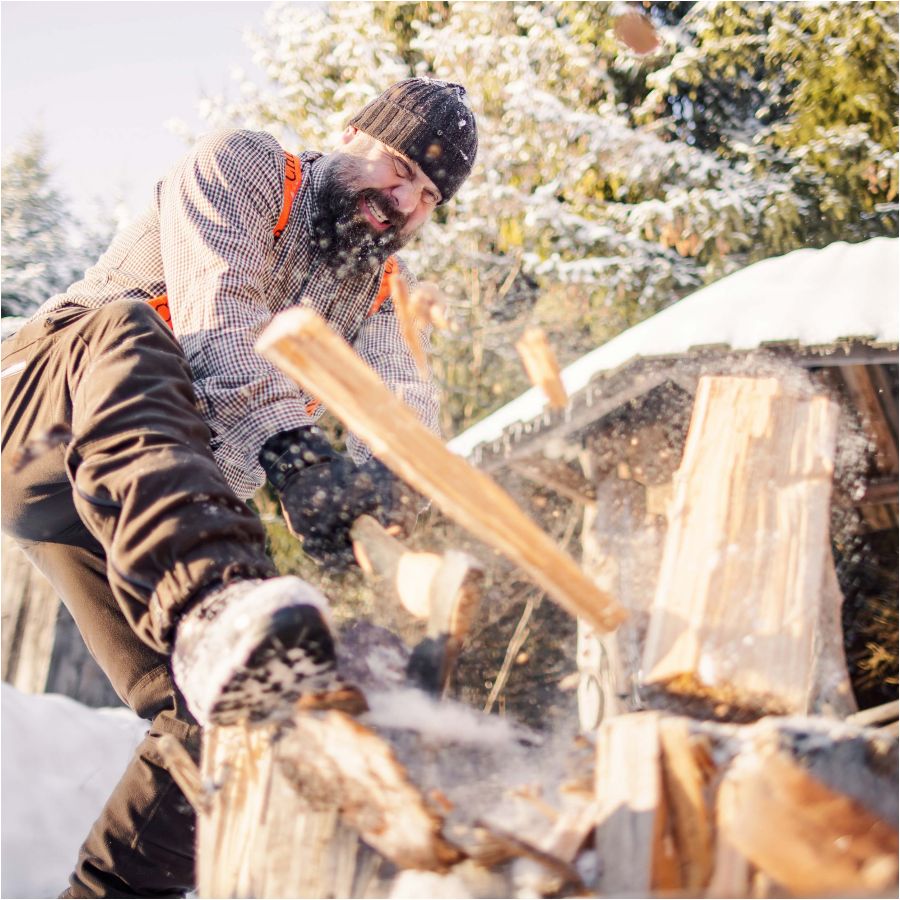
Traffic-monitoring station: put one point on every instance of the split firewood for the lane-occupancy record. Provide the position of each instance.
(407, 320)
(632, 818)
(314, 805)
(442, 589)
(739, 598)
(541, 366)
(801, 833)
(301, 344)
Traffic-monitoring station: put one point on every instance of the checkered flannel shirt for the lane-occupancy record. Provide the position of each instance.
(207, 242)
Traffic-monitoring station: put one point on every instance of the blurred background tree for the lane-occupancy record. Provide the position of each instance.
(45, 248)
(607, 185)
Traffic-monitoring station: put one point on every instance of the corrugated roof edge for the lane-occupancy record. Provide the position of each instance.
(780, 287)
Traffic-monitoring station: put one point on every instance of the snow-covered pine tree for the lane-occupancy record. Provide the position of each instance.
(578, 217)
(40, 254)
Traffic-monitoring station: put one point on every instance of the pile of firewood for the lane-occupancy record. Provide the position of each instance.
(750, 776)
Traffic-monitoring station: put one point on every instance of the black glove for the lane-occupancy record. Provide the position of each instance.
(322, 492)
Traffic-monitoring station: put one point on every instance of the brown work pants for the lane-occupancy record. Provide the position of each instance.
(128, 519)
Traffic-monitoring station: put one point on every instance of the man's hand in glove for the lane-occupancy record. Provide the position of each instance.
(322, 493)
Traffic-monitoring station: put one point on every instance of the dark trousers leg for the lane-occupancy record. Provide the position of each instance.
(137, 467)
(142, 844)
(128, 521)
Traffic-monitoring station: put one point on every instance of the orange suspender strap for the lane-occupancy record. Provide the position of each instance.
(384, 291)
(293, 178)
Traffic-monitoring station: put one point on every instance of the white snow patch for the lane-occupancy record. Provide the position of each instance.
(61, 761)
(812, 296)
(412, 885)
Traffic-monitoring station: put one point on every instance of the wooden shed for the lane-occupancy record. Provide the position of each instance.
(810, 322)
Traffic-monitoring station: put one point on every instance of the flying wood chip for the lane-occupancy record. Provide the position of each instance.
(407, 319)
(541, 366)
(636, 31)
(428, 305)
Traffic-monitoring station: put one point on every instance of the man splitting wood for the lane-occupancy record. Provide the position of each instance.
(137, 418)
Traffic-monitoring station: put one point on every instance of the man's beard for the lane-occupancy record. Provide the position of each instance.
(349, 243)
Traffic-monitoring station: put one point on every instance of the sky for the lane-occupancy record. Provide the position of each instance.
(102, 79)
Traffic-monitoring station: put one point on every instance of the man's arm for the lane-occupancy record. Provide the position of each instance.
(217, 210)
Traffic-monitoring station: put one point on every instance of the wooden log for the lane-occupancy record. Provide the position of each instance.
(318, 804)
(788, 806)
(298, 808)
(740, 593)
(802, 834)
(257, 838)
(302, 345)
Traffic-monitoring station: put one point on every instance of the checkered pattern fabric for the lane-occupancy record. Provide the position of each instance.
(207, 242)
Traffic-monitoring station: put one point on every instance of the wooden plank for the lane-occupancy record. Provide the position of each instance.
(631, 822)
(686, 761)
(867, 400)
(30, 608)
(740, 586)
(302, 345)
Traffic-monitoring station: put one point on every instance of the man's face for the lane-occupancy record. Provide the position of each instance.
(374, 201)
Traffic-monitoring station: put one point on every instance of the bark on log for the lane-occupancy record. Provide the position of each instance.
(740, 590)
(302, 345)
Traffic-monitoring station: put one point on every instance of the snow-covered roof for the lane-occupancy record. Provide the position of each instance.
(813, 297)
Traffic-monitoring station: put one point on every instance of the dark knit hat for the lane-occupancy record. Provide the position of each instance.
(430, 122)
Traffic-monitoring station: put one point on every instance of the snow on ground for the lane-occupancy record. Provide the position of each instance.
(60, 761)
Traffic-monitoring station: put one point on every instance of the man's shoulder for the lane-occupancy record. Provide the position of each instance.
(239, 141)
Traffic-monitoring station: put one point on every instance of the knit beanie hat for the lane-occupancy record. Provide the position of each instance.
(430, 122)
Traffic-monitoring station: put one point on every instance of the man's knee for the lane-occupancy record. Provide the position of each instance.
(134, 318)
